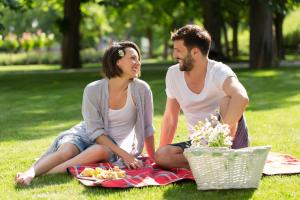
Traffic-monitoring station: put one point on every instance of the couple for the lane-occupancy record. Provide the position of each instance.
(116, 129)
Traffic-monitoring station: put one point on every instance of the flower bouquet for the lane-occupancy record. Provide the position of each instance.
(211, 133)
(215, 165)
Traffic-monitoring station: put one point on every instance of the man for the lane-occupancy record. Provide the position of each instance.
(199, 86)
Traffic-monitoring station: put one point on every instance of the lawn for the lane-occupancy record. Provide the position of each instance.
(36, 105)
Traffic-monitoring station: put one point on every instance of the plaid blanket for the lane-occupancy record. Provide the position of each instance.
(151, 174)
(281, 164)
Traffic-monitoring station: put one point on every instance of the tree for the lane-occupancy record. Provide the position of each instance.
(11, 4)
(261, 37)
(280, 10)
(30, 20)
(94, 25)
(233, 12)
(171, 15)
(71, 38)
(213, 23)
(279, 15)
(140, 18)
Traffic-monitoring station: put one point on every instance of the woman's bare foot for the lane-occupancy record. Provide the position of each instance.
(25, 178)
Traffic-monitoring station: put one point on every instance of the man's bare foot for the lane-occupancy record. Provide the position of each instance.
(24, 178)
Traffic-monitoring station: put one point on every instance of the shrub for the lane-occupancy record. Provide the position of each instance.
(292, 40)
(10, 43)
(46, 57)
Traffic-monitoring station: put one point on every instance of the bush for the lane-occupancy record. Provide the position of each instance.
(90, 55)
(292, 40)
(10, 43)
(45, 57)
(27, 42)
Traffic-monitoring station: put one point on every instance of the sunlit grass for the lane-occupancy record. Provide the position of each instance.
(28, 68)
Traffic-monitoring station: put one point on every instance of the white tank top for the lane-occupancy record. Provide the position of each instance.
(121, 124)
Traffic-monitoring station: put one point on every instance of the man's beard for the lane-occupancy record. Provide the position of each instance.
(187, 63)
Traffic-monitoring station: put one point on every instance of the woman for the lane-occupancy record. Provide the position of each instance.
(117, 112)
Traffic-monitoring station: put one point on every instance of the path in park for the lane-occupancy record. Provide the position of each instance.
(145, 67)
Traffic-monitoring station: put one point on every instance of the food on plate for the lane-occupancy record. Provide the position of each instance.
(112, 173)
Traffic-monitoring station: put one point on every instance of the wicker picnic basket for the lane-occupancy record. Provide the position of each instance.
(223, 168)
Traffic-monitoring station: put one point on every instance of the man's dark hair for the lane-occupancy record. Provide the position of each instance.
(193, 36)
(114, 53)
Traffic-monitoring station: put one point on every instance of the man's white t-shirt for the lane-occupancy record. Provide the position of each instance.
(198, 106)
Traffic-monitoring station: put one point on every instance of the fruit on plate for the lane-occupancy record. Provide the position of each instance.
(112, 173)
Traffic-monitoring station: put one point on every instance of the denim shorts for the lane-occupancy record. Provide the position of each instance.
(82, 145)
(78, 141)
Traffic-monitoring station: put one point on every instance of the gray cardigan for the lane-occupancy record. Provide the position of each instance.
(95, 113)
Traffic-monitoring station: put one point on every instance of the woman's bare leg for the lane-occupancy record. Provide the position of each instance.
(93, 154)
(65, 152)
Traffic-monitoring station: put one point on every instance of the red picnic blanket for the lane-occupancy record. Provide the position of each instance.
(278, 163)
(151, 174)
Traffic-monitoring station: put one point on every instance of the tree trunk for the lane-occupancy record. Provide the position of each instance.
(213, 23)
(71, 37)
(227, 48)
(235, 47)
(166, 47)
(261, 37)
(278, 21)
(150, 38)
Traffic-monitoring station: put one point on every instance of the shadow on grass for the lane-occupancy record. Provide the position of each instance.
(48, 101)
(188, 190)
(92, 191)
(61, 179)
(31, 104)
(47, 180)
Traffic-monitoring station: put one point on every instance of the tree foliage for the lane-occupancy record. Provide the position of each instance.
(101, 21)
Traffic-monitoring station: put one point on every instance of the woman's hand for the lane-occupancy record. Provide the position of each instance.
(131, 162)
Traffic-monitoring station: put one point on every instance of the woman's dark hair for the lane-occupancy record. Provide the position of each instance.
(114, 53)
(193, 36)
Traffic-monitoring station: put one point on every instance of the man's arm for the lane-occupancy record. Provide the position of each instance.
(238, 100)
(169, 122)
(150, 147)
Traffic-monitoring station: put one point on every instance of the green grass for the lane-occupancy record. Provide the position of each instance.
(27, 68)
(35, 107)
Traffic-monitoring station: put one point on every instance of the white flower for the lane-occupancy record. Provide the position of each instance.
(211, 133)
(121, 53)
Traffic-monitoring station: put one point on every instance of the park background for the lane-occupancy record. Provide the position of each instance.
(49, 51)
